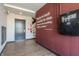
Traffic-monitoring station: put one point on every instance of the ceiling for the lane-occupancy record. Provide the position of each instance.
(26, 6)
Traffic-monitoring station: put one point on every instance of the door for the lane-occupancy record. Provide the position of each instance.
(19, 29)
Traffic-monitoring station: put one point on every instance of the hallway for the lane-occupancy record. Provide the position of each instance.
(55, 26)
(26, 48)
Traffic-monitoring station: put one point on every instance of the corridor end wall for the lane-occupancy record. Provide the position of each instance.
(11, 26)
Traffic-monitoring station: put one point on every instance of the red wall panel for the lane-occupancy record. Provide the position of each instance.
(61, 44)
(66, 7)
(43, 36)
(74, 40)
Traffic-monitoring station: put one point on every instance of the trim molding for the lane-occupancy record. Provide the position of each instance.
(3, 49)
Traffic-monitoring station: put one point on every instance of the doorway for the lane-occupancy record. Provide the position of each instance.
(19, 29)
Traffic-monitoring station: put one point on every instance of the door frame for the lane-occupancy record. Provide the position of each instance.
(15, 27)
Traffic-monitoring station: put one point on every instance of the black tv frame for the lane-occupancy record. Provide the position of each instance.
(73, 28)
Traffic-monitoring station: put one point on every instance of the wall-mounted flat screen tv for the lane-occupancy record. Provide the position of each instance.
(69, 23)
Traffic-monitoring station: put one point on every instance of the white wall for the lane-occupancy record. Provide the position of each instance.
(2, 23)
(11, 26)
(34, 30)
(29, 35)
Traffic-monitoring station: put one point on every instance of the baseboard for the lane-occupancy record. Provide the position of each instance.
(3, 49)
(30, 38)
(5, 46)
(10, 42)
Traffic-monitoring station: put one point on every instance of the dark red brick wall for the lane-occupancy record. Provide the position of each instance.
(61, 44)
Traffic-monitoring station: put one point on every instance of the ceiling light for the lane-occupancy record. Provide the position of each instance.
(27, 10)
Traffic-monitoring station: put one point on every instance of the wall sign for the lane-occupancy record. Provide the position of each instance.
(44, 20)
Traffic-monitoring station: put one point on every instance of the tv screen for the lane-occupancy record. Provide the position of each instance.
(69, 23)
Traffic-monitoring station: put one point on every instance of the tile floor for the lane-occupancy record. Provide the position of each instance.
(26, 48)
